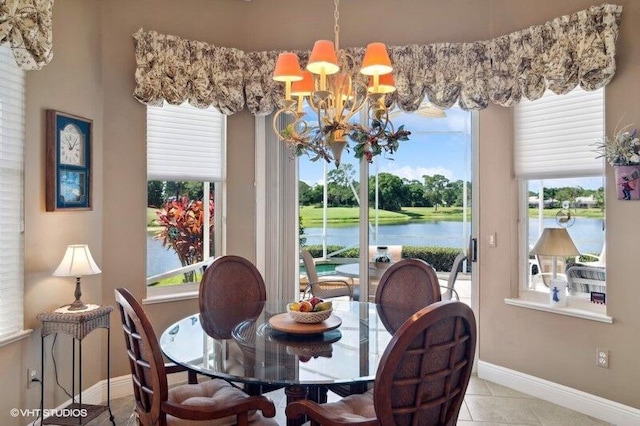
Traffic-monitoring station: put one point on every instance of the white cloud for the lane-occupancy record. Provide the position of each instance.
(416, 173)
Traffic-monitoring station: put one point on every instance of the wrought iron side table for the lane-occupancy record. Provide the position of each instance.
(77, 324)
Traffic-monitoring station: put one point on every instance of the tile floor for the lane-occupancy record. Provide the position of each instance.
(485, 404)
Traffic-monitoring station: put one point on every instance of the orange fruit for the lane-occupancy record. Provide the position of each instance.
(306, 306)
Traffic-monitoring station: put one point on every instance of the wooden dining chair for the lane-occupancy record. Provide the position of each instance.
(421, 379)
(411, 284)
(231, 281)
(404, 288)
(157, 405)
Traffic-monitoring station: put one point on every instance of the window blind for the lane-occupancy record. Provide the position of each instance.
(12, 136)
(555, 136)
(185, 143)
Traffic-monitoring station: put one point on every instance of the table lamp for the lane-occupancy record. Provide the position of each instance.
(77, 262)
(556, 242)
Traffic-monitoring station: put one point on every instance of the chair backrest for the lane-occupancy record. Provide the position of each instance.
(228, 281)
(585, 279)
(309, 266)
(145, 359)
(546, 267)
(425, 370)
(410, 284)
(453, 275)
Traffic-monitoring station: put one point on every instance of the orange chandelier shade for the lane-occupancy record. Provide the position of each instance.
(287, 68)
(376, 60)
(303, 87)
(386, 84)
(323, 59)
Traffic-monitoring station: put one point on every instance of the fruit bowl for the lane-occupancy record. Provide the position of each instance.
(312, 317)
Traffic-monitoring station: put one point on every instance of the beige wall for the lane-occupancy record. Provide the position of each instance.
(92, 76)
(71, 83)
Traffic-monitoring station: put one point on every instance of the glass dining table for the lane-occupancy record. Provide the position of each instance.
(239, 343)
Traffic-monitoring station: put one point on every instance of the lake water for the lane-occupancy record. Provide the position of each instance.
(586, 234)
(159, 259)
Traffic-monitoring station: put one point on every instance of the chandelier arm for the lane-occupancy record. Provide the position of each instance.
(357, 104)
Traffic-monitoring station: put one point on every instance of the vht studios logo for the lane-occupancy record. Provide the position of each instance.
(36, 412)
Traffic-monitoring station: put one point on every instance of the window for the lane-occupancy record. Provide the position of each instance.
(12, 135)
(409, 194)
(561, 183)
(185, 173)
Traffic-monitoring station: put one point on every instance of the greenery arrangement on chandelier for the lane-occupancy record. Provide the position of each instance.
(369, 142)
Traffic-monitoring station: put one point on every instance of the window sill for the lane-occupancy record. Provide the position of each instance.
(171, 293)
(19, 335)
(572, 311)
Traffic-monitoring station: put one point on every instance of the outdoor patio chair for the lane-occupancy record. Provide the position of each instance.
(326, 286)
(582, 280)
(545, 268)
(449, 289)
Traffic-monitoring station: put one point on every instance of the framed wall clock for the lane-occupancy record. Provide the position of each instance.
(68, 162)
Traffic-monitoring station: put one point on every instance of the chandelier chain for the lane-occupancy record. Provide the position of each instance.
(336, 27)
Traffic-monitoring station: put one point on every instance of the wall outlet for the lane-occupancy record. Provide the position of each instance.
(602, 358)
(32, 377)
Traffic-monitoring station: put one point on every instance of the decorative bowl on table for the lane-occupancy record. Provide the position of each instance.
(312, 317)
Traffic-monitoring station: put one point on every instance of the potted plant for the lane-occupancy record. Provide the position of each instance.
(622, 151)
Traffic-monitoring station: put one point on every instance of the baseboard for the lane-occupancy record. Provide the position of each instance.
(576, 400)
(582, 402)
(120, 386)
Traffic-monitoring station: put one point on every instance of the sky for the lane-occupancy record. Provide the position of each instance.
(435, 146)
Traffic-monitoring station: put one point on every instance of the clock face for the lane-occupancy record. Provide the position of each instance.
(71, 146)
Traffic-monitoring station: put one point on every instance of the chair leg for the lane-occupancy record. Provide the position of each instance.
(192, 377)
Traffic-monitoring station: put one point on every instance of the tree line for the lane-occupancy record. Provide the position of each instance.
(393, 192)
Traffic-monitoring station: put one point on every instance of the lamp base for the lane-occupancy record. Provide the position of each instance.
(558, 292)
(77, 306)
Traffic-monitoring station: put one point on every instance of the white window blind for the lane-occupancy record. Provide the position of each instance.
(12, 135)
(555, 135)
(185, 143)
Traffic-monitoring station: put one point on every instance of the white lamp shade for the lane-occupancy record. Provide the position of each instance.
(77, 262)
(555, 242)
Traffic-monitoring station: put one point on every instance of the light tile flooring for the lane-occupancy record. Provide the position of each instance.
(485, 404)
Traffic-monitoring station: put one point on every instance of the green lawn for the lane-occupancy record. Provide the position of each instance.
(311, 215)
(336, 215)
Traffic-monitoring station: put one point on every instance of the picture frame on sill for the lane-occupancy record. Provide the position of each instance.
(68, 161)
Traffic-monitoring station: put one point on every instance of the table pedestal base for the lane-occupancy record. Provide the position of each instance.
(297, 392)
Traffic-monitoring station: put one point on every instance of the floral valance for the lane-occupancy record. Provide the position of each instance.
(560, 54)
(27, 26)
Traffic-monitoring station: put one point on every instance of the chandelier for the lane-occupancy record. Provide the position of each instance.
(335, 96)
